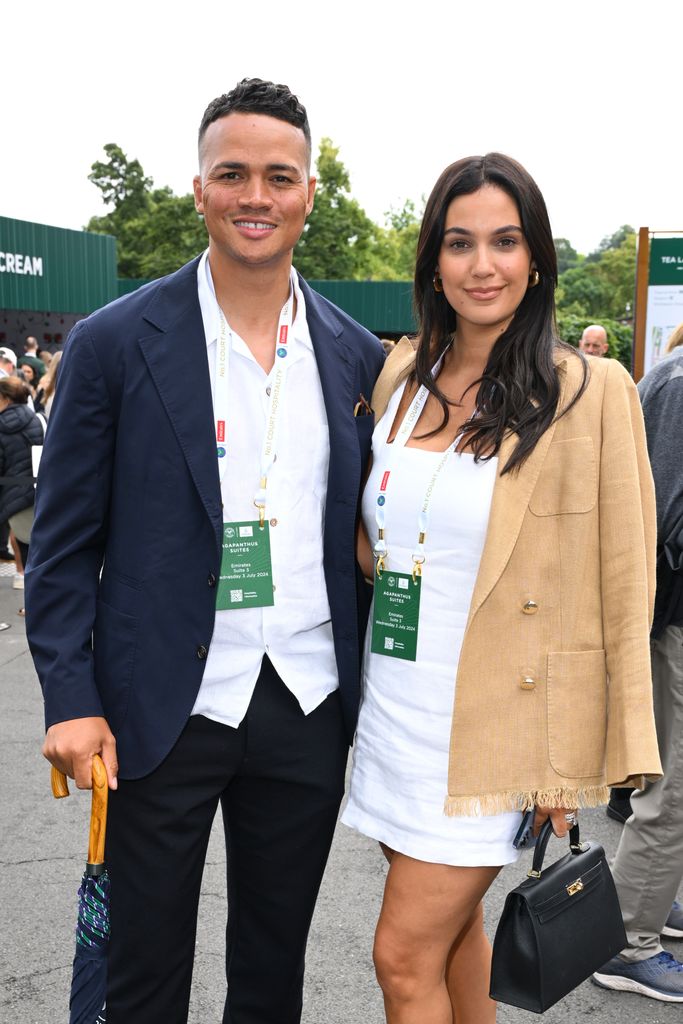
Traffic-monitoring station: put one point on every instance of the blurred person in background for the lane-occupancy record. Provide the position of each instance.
(8, 362)
(46, 390)
(594, 341)
(20, 429)
(675, 340)
(648, 868)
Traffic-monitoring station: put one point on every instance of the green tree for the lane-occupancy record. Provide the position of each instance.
(567, 256)
(339, 241)
(603, 287)
(396, 244)
(155, 230)
(613, 241)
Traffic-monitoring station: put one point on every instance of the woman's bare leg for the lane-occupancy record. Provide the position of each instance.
(468, 973)
(425, 908)
(18, 561)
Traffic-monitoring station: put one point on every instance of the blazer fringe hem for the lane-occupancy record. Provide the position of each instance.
(499, 803)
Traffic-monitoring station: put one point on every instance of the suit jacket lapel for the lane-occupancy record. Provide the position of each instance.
(511, 495)
(177, 362)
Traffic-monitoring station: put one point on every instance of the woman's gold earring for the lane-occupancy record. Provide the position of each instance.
(436, 281)
(534, 278)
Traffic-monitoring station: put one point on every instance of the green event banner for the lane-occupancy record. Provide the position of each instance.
(666, 260)
(55, 269)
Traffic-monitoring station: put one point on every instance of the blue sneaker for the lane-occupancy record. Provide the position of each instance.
(674, 922)
(659, 977)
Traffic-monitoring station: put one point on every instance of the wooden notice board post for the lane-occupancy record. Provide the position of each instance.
(642, 280)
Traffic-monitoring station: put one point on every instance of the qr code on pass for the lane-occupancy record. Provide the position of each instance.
(236, 596)
(388, 643)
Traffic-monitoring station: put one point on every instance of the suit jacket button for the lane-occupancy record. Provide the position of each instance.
(211, 580)
(202, 652)
(527, 683)
(530, 608)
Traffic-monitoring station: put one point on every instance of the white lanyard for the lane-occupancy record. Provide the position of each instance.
(409, 420)
(275, 400)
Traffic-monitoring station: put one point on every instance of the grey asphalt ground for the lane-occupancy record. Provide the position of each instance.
(43, 849)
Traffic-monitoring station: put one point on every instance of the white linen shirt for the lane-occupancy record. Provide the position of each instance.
(296, 632)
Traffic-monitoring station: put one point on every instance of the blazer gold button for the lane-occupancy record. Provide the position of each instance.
(530, 608)
(527, 683)
(202, 652)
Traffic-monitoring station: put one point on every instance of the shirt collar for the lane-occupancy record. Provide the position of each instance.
(208, 305)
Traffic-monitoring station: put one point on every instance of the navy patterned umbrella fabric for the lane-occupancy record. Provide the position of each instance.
(87, 1003)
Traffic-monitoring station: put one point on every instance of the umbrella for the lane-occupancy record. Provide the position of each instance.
(87, 1003)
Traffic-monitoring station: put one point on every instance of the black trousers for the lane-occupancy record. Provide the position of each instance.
(279, 778)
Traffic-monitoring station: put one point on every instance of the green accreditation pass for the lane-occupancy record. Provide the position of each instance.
(396, 615)
(246, 579)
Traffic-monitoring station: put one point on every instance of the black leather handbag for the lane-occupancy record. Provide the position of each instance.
(558, 927)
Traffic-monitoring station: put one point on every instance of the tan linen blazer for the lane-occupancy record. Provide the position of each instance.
(553, 693)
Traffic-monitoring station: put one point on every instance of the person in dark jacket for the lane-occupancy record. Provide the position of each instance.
(20, 429)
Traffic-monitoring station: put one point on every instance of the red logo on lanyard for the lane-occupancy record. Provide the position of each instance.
(283, 335)
(385, 481)
(220, 430)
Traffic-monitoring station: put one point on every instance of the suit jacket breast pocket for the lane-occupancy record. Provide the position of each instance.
(568, 481)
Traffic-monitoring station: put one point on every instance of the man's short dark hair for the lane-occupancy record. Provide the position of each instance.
(254, 96)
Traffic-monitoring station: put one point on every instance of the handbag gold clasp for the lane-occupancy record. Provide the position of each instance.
(575, 887)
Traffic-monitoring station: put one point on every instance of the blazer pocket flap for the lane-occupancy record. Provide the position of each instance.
(568, 481)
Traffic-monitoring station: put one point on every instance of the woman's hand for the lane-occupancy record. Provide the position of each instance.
(559, 817)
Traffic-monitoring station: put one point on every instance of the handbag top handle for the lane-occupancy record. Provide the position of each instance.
(542, 843)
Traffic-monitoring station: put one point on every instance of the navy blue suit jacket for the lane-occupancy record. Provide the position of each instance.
(126, 544)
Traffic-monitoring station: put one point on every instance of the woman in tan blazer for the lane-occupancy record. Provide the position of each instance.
(548, 697)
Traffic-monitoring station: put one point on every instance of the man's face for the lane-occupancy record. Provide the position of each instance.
(594, 342)
(253, 189)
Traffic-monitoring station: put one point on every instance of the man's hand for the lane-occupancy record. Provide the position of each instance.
(70, 746)
(558, 816)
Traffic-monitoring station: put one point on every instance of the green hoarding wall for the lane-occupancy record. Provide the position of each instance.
(384, 307)
(55, 269)
(49, 271)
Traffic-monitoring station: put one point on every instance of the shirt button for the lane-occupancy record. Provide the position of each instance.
(211, 580)
(527, 683)
(529, 608)
(273, 522)
(202, 652)
(268, 390)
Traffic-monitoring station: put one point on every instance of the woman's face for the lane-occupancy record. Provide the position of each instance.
(28, 373)
(484, 260)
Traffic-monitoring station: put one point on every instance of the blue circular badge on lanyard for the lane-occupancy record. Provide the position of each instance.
(282, 352)
(220, 452)
(381, 499)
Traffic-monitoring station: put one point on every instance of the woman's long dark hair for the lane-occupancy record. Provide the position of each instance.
(519, 389)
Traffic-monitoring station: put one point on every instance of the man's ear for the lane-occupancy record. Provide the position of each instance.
(311, 194)
(198, 194)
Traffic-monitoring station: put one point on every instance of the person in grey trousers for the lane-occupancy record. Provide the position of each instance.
(648, 867)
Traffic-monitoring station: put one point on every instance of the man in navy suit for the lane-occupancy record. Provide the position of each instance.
(194, 607)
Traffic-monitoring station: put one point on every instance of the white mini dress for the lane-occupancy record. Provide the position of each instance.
(400, 757)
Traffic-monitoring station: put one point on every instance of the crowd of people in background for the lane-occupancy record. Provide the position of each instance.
(27, 386)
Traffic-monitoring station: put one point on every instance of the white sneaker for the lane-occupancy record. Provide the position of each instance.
(18, 582)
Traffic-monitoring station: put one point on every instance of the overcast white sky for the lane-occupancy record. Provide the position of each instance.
(586, 94)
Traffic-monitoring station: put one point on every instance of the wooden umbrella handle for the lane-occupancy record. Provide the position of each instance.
(60, 787)
(98, 810)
